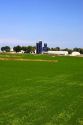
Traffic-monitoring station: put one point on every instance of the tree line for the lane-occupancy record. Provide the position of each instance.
(29, 49)
(26, 49)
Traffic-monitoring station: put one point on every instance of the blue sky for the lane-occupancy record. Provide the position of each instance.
(57, 22)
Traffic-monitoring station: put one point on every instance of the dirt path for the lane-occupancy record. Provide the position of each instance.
(29, 60)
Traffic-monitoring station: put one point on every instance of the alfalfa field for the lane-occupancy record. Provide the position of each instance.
(41, 92)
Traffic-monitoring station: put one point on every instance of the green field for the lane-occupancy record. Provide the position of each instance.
(41, 93)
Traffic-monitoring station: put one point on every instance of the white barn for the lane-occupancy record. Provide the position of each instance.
(58, 52)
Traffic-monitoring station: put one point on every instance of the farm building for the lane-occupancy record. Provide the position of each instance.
(21, 52)
(75, 54)
(58, 52)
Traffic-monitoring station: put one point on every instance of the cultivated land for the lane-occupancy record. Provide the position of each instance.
(41, 92)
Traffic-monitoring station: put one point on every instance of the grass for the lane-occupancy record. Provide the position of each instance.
(41, 93)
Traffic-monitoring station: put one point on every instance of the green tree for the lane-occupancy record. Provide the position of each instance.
(29, 49)
(57, 48)
(76, 49)
(5, 48)
(17, 48)
(69, 50)
(24, 48)
(81, 51)
(48, 49)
